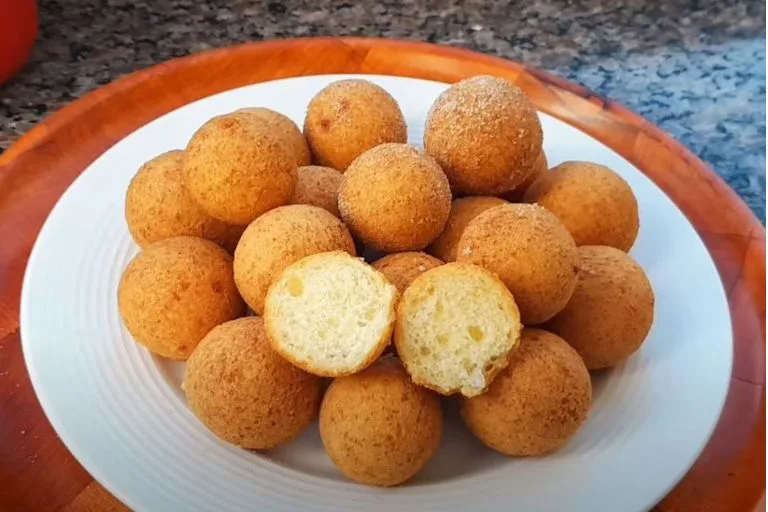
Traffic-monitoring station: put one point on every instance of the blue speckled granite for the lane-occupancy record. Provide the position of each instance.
(695, 68)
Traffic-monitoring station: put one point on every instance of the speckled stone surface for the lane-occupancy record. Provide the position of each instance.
(695, 68)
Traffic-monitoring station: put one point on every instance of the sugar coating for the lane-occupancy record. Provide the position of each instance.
(485, 134)
(540, 167)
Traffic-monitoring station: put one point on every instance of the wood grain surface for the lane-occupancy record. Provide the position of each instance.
(37, 473)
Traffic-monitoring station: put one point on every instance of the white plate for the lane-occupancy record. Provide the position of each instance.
(122, 414)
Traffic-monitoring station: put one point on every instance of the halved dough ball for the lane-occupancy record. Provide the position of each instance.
(277, 239)
(403, 267)
(537, 403)
(349, 117)
(330, 314)
(318, 186)
(395, 198)
(378, 427)
(531, 252)
(237, 168)
(485, 134)
(463, 210)
(594, 203)
(175, 291)
(244, 392)
(456, 326)
(158, 206)
(282, 126)
(540, 167)
(611, 311)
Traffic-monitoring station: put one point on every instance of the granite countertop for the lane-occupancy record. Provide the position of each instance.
(695, 68)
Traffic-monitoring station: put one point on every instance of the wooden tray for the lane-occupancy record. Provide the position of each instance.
(38, 473)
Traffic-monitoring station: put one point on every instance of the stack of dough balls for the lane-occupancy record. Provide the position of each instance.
(487, 276)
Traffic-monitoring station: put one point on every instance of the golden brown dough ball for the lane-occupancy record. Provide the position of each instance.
(463, 210)
(330, 313)
(349, 117)
(175, 291)
(537, 403)
(540, 166)
(280, 237)
(378, 427)
(403, 267)
(237, 168)
(231, 237)
(485, 134)
(455, 328)
(283, 126)
(531, 252)
(395, 198)
(596, 205)
(611, 311)
(158, 206)
(244, 392)
(318, 186)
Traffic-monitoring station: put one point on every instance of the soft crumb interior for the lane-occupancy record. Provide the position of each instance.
(459, 330)
(332, 313)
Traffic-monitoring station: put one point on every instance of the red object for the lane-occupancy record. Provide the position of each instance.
(18, 31)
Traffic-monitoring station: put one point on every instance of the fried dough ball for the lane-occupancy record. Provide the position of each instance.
(285, 128)
(537, 403)
(175, 291)
(455, 328)
(237, 169)
(244, 392)
(485, 134)
(318, 186)
(378, 427)
(531, 252)
(403, 267)
(158, 206)
(330, 314)
(349, 117)
(463, 210)
(540, 166)
(395, 198)
(596, 205)
(611, 311)
(277, 239)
